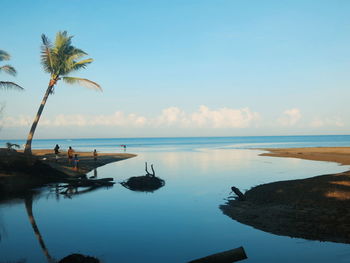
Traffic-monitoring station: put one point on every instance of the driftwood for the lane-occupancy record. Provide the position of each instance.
(90, 182)
(228, 256)
(144, 183)
(240, 195)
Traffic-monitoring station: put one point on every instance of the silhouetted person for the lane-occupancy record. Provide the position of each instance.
(95, 155)
(56, 149)
(70, 154)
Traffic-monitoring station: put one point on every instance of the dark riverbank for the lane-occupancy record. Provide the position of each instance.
(316, 208)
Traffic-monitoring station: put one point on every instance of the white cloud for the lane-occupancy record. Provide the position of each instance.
(335, 121)
(290, 117)
(169, 117)
(224, 117)
(19, 121)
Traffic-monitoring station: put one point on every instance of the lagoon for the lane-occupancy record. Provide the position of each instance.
(179, 222)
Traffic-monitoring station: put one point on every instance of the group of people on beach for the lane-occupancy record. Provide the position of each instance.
(72, 156)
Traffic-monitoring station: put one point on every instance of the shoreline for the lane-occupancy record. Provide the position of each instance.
(316, 208)
(86, 160)
(20, 173)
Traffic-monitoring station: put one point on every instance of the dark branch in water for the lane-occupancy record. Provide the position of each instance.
(147, 172)
(154, 174)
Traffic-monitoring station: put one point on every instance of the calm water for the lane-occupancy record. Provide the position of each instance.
(177, 223)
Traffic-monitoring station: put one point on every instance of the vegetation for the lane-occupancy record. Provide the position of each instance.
(59, 60)
(9, 70)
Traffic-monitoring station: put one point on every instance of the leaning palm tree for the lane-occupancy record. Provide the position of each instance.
(59, 60)
(9, 70)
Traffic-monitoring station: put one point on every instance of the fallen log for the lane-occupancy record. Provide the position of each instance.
(228, 256)
(90, 180)
(76, 182)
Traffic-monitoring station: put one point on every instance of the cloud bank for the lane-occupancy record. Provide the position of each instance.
(290, 117)
(204, 117)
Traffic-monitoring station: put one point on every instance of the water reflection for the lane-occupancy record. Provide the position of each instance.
(95, 173)
(29, 208)
(182, 216)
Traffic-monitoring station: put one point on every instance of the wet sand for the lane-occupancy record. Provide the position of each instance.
(316, 208)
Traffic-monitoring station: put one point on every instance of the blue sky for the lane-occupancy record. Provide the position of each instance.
(183, 68)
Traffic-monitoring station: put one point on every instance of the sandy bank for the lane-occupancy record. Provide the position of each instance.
(314, 208)
(86, 160)
(329, 154)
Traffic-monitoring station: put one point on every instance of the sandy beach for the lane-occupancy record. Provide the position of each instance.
(313, 208)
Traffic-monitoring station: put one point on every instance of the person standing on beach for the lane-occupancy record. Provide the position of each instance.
(56, 151)
(70, 154)
(95, 155)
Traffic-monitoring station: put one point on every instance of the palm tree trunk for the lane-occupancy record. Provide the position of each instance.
(28, 147)
(29, 208)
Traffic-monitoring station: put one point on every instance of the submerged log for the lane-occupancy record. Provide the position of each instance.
(228, 256)
(240, 195)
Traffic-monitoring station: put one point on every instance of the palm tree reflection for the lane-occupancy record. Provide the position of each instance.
(29, 208)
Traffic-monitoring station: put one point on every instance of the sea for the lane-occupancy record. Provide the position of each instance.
(179, 222)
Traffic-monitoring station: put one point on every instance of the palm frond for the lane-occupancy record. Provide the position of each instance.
(46, 57)
(77, 53)
(9, 85)
(82, 82)
(9, 70)
(61, 58)
(63, 41)
(81, 64)
(4, 55)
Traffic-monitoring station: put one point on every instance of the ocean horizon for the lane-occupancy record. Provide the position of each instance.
(189, 143)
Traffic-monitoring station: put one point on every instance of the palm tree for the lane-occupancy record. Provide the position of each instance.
(9, 70)
(59, 60)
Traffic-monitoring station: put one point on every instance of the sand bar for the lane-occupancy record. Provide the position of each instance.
(329, 154)
(86, 160)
